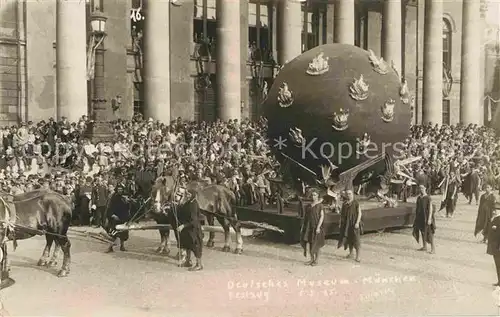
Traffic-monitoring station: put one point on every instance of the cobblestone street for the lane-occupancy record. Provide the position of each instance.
(267, 280)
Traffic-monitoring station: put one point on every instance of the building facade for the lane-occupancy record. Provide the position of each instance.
(209, 59)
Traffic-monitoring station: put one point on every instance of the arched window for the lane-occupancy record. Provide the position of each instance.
(447, 44)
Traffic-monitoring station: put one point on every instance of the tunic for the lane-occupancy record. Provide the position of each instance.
(493, 247)
(451, 201)
(484, 213)
(475, 185)
(349, 235)
(422, 213)
(191, 237)
(310, 224)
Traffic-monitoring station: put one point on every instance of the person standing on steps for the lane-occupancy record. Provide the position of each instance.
(312, 233)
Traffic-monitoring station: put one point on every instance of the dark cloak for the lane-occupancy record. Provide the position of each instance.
(493, 247)
(191, 237)
(119, 207)
(484, 213)
(310, 224)
(466, 185)
(349, 235)
(422, 213)
(451, 200)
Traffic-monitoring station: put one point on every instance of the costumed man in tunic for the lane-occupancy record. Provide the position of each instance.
(351, 225)
(118, 213)
(312, 233)
(485, 212)
(190, 233)
(451, 195)
(425, 223)
(493, 247)
(475, 185)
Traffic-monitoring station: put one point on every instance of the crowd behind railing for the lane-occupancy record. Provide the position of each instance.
(59, 156)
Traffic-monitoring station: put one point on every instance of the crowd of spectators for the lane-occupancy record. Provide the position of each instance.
(57, 155)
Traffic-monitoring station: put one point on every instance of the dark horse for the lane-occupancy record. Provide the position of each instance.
(215, 201)
(26, 215)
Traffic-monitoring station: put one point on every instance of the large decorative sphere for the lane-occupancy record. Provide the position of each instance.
(326, 103)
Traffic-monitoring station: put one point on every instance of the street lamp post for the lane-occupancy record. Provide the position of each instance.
(99, 128)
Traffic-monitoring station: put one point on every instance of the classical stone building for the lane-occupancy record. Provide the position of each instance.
(208, 59)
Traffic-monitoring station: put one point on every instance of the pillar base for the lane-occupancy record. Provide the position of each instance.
(100, 131)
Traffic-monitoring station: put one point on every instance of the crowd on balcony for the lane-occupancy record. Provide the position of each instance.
(57, 155)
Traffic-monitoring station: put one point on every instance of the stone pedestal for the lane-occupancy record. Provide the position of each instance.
(100, 131)
(101, 112)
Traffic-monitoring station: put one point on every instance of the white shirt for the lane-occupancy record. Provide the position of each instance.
(89, 149)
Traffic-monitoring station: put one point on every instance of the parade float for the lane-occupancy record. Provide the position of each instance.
(337, 116)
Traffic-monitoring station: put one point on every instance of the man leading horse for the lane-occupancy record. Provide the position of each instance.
(189, 231)
(118, 213)
(214, 201)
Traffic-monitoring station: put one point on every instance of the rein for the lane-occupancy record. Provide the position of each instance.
(174, 210)
(135, 218)
(2, 193)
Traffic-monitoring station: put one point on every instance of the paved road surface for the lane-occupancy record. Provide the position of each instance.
(269, 279)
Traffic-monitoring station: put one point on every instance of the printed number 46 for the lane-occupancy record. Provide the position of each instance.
(136, 15)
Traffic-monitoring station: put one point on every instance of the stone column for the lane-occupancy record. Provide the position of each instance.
(71, 59)
(432, 107)
(470, 85)
(289, 30)
(391, 29)
(228, 60)
(344, 24)
(157, 60)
